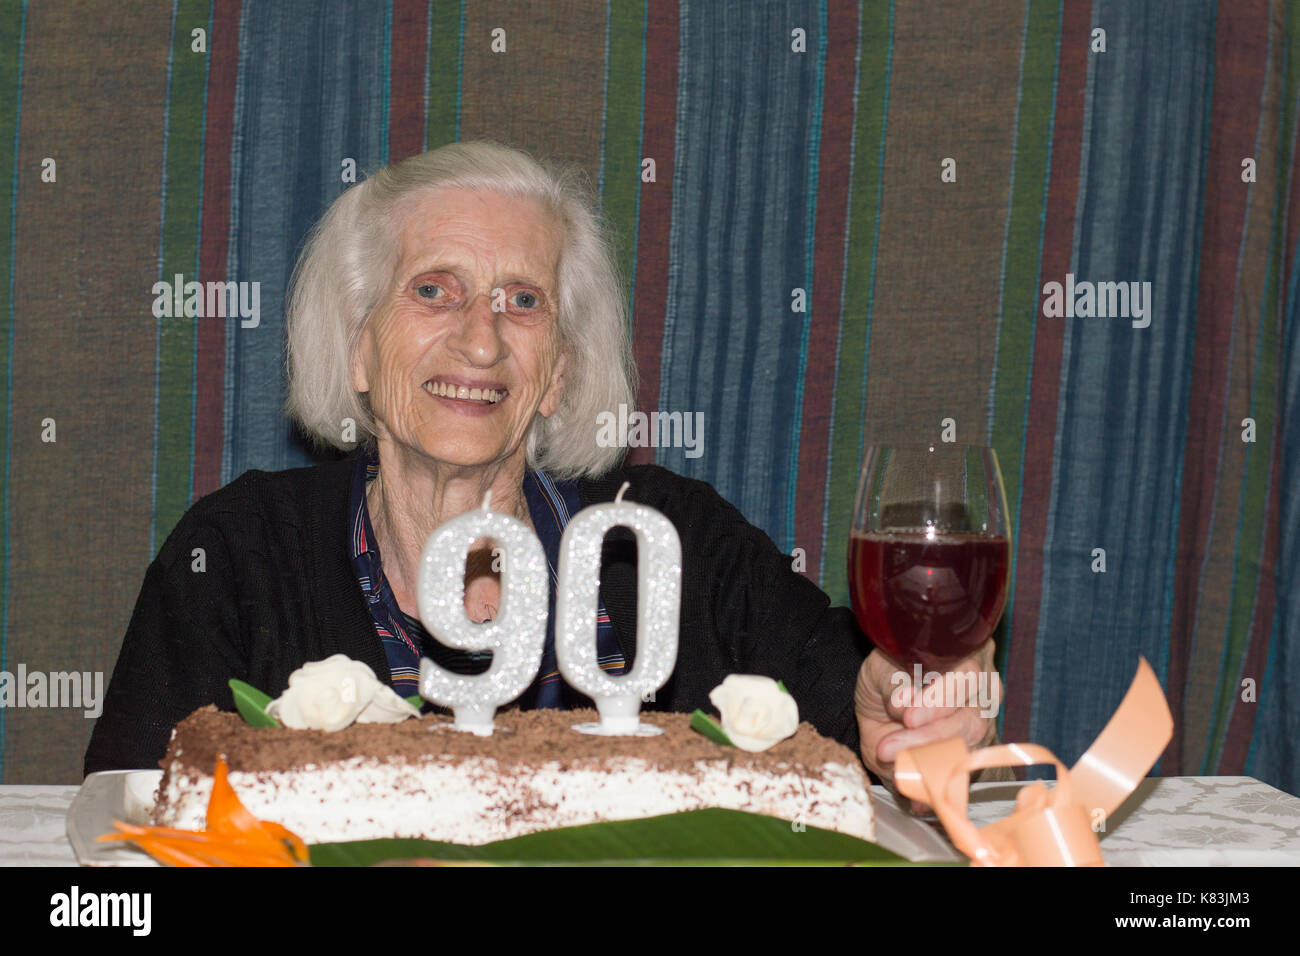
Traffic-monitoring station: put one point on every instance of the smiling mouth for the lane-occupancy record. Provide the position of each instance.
(481, 396)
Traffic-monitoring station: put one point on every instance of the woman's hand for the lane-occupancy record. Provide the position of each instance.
(893, 715)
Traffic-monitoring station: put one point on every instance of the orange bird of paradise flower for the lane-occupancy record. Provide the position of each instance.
(234, 836)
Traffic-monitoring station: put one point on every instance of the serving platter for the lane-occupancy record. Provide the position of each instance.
(128, 795)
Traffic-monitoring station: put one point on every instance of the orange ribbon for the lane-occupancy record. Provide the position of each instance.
(1049, 827)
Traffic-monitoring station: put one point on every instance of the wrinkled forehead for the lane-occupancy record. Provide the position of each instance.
(479, 231)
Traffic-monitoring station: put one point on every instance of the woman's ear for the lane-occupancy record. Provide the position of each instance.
(551, 400)
(361, 357)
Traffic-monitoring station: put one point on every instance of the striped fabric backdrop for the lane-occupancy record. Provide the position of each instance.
(796, 145)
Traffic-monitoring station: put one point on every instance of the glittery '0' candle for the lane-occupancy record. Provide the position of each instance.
(659, 590)
(515, 636)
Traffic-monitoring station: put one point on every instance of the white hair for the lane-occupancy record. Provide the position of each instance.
(352, 253)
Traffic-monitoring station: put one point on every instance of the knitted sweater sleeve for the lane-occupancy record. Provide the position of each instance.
(182, 644)
(768, 618)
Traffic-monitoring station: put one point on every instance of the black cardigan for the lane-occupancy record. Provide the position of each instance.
(273, 587)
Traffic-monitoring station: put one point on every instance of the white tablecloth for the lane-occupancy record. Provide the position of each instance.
(33, 826)
(1171, 821)
(1181, 821)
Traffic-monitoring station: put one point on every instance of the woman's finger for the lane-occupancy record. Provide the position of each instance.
(920, 716)
(955, 725)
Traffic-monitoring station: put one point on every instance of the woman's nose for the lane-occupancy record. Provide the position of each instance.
(476, 336)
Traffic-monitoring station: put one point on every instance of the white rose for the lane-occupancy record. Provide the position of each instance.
(331, 694)
(386, 707)
(756, 713)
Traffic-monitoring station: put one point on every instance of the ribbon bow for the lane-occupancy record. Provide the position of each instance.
(1049, 827)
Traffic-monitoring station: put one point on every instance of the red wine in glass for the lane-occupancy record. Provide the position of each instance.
(932, 599)
(929, 552)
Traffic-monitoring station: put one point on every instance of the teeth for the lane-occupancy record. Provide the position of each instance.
(473, 394)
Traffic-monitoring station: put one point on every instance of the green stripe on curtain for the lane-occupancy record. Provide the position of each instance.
(444, 73)
(1024, 248)
(180, 256)
(875, 48)
(621, 149)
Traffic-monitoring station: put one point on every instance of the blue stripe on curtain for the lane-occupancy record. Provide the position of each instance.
(1119, 450)
(313, 82)
(732, 346)
(821, 361)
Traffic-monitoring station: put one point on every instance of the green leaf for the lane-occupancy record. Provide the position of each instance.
(782, 686)
(251, 704)
(709, 727)
(710, 837)
(416, 701)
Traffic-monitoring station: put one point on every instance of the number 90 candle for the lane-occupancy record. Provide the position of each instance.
(515, 636)
(659, 587)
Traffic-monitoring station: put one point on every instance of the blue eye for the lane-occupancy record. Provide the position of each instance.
(428, 290)
(525, 300)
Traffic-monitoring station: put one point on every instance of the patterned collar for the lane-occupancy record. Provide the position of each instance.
(551, 504)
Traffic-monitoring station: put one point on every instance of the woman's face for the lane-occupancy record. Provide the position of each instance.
(465, 349)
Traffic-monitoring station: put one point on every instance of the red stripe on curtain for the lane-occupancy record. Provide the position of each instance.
(408, 60)
(210, 377)
(1040, 436)
(833, 174)
(658, 129)
(1293, 207)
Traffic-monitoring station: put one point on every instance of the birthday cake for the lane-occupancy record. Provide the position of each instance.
(422, 778)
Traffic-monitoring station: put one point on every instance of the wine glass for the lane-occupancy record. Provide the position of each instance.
(929, 551)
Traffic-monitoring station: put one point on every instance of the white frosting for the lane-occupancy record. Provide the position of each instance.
(471, 802)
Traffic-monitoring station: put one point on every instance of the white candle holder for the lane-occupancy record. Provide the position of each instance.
(659, 574)
(515, 636)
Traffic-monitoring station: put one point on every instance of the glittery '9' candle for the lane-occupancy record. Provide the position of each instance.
(659, 590)
(515, 636)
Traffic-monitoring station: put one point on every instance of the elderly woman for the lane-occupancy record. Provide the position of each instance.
(459, 315)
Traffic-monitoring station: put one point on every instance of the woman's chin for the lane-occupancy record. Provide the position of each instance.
(462, 454)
